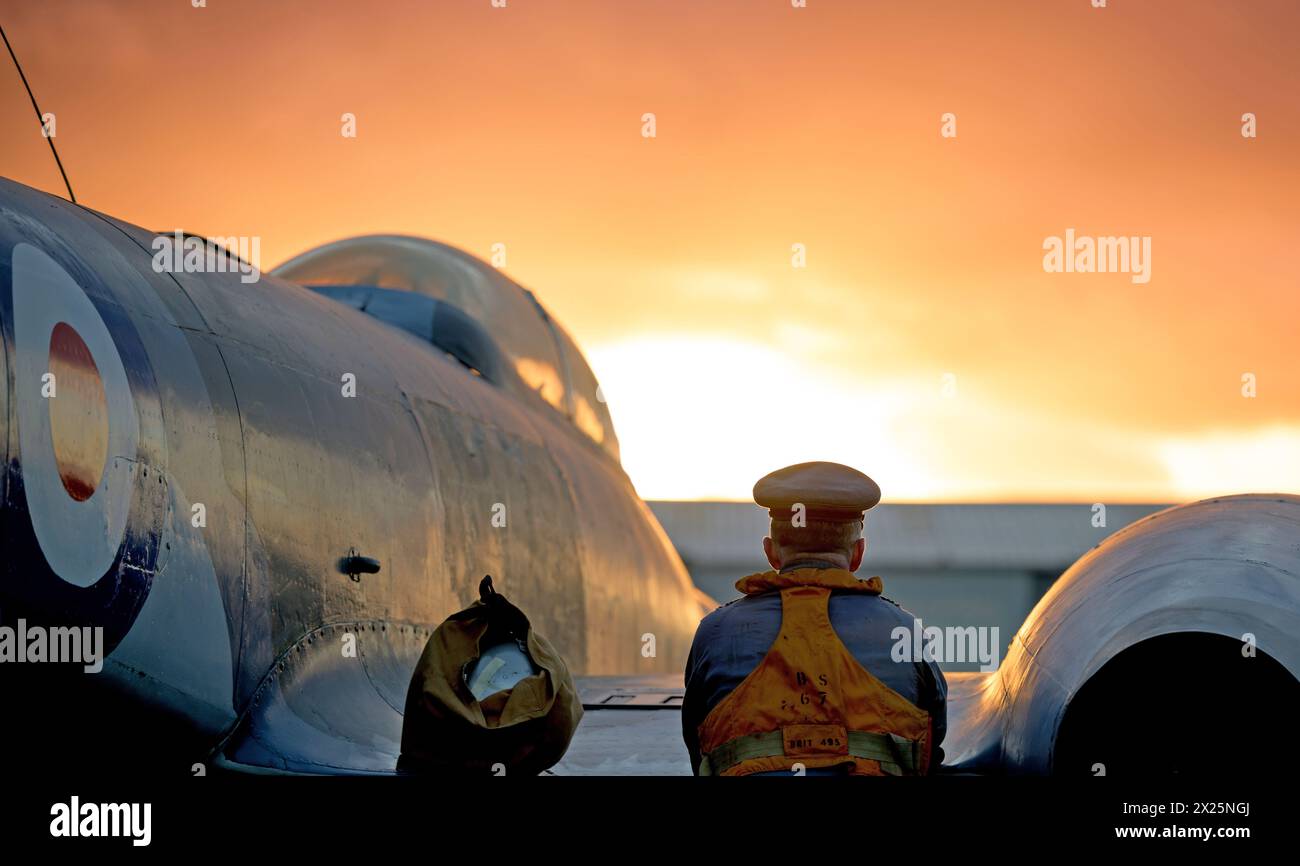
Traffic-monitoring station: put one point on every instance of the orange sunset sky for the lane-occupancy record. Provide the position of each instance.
(923, 342)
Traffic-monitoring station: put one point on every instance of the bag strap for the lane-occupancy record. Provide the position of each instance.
(503, 615)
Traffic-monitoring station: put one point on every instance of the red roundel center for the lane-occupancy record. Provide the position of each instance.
(78, 413)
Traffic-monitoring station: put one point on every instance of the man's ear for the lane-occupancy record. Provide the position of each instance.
(859, 548)
(771, 552)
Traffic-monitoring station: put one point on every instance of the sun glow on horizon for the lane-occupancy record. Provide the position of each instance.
(701, 418)
(705, 418)
(1263, 461)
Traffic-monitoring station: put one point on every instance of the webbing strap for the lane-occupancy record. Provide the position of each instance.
(897, 755)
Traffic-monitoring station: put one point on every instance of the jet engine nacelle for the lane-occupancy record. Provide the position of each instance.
(1173, 637)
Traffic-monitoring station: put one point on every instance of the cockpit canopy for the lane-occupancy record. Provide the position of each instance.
(467, 308)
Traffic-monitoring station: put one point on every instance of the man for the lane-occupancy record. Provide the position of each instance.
(796, 676)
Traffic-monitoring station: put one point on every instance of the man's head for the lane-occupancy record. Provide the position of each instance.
(836, 541)
(817, 512)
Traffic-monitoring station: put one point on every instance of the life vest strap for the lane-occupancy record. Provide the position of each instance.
(897, 755)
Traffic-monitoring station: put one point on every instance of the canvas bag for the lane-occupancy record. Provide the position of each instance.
(525, 729)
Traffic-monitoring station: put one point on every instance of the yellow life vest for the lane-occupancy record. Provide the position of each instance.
(809, 701)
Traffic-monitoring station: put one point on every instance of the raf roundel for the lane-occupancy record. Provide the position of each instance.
(77, 427)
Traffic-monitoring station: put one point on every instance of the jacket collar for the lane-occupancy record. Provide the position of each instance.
(807, 563)
(831, 578)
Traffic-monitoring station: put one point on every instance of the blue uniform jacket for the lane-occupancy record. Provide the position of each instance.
(732, 640)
